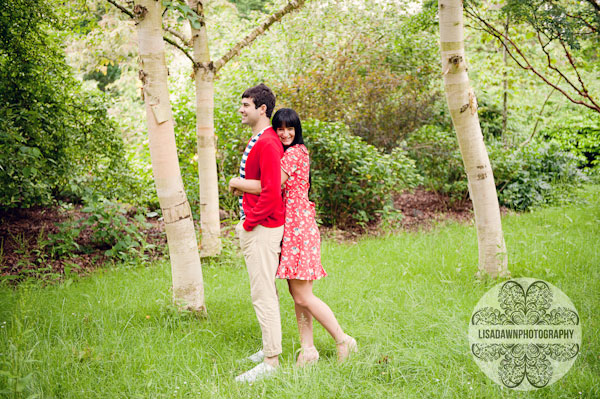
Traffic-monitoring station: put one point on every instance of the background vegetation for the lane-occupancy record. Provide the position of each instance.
(72, 125)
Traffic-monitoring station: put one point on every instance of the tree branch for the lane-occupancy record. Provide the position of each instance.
(594, 4)
(593, 29)
(178, 35)
(123, 9)
(505, 41)
(275, 17)
(572, 62)
(165, 38)
(174, 44)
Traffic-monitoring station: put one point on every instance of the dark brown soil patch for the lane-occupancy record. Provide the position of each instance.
(24, 233)
(421, 209)
(25, 252)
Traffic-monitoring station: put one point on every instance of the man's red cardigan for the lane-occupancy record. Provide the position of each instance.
(263, 163)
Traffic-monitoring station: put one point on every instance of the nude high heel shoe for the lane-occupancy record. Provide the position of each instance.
(345, 347)
(307, 356)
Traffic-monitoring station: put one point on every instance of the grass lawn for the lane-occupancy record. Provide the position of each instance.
(407, 299)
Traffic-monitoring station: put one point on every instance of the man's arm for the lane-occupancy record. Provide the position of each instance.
(251, 186)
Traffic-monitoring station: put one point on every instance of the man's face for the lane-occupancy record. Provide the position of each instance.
(250, 114)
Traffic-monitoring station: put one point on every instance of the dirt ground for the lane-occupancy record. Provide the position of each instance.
(23, 232)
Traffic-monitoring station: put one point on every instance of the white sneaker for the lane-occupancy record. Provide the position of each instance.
(257, 357)
(258, 372)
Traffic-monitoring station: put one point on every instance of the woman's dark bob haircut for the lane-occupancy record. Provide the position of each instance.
(287, 117)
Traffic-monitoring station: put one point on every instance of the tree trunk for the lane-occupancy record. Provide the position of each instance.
(205, 139)
(188, 287)
(463, 109)
(505, 89)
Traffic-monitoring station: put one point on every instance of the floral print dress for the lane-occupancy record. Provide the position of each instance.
(301, 245)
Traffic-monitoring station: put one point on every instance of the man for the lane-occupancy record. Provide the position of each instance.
(261, 226)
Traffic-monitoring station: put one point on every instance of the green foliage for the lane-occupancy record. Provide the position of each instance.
(567, 21)
(353, 181)
(184, 12)
(437, 157)
(104, 76)
(56, 140)
(373, 67)
(534, 175)
(245, 7)
(583, 143)
(106, 227)
(538, 174)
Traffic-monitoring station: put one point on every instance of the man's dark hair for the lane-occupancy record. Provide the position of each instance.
(260, 95)
(287, 117)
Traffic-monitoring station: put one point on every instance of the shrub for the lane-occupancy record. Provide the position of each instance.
(525, 177)
(583, 142)
(437, 156)
(54, 138)
(352, 181)
(106, 227)
(535, 175)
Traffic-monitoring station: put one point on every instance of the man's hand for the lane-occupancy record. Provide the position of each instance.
(233, 186)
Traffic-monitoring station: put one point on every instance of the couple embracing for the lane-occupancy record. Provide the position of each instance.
(278, 232)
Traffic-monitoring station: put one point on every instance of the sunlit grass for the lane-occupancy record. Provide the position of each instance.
(407, 299)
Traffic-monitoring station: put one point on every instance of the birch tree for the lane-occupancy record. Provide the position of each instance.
(463, 109)
(188, 288)
(205, 71)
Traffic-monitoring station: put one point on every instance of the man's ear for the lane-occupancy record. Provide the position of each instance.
(263, 109)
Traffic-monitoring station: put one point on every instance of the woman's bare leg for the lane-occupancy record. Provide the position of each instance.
(301, 291)
(305, 326)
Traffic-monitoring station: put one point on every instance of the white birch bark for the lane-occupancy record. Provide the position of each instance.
(206, 139)
(463, 109)
(188, 287)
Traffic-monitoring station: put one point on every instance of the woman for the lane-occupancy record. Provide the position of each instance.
(300, 261)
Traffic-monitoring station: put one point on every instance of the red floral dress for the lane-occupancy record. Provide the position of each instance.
(301, 245)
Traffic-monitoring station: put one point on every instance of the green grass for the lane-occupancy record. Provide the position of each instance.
(407, 299)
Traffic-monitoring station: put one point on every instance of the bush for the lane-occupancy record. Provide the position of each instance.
(525, 177)
(105, 226)
(583, 142)
(437, 156)
(535, 175)
(55, 139)
(353, 181)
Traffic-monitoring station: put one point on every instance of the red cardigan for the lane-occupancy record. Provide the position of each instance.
(264, 163)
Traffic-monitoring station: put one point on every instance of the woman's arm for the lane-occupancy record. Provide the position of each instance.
(251, 186)
(284, 176)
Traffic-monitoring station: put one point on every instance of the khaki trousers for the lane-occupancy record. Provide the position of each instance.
(261, 248)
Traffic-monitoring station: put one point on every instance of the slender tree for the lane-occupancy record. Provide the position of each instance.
(463, 109)
(188, 287)
(205, 71)
(205, 137)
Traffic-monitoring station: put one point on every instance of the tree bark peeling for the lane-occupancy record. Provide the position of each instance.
(461, 97)
(188, 287)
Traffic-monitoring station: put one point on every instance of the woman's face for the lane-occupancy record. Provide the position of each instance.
(286, 135)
